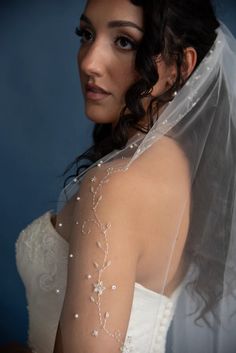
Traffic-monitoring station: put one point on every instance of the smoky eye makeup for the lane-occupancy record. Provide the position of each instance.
(124, 42)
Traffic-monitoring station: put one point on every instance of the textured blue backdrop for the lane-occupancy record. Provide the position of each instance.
(42, 126)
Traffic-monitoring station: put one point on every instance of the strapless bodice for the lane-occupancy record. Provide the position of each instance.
(41, 255)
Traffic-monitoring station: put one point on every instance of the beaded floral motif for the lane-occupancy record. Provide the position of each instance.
(98, 286)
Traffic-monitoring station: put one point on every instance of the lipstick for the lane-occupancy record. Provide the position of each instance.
(95, 92)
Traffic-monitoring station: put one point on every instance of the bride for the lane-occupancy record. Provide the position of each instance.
(143, 241)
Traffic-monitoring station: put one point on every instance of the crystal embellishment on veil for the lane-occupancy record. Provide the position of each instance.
(102, 244)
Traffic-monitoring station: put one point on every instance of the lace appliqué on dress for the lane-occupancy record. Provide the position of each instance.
(35, 243)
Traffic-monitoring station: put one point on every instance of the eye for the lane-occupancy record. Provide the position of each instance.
(85, 35)
(125, 43)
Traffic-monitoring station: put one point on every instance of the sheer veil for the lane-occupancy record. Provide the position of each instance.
(201, 119)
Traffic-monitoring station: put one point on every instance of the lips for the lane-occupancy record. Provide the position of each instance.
(95, 92)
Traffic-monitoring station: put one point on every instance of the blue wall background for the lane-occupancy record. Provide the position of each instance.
(42, 126)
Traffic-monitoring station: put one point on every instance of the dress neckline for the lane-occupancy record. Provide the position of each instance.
(49, 214)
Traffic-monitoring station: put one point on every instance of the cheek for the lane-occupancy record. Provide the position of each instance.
(125, 77)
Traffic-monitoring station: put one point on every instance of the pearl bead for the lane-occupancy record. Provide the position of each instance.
(94, 333)
(76, 316)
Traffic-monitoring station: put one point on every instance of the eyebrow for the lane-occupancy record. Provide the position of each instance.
(113, 24)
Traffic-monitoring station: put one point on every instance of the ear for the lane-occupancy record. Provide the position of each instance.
(190, 60)
(167, 76)
(168, 72)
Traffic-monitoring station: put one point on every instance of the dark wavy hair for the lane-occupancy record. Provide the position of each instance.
(170, 26)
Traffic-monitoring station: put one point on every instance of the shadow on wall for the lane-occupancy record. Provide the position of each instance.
(42, 126)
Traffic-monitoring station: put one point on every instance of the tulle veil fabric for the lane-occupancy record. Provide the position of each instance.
(202, 120)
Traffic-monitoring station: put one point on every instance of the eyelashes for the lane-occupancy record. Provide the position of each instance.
(84, 34)
(122, 42)
(125, 43)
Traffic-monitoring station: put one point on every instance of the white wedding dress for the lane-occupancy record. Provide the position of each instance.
(41, 255)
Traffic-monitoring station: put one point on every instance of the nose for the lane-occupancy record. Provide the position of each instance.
(92, 60)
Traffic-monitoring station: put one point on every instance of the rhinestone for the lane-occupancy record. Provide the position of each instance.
(99, 165)
(57, 291)
(78, 198)
(88, 276)
(77, 223)
(175, 93)
(99, 288)
(94, 333)
(94, 179)
(114, 287)
(75, 180)
(131, 146)
(76, 316)
(71, 256)
(60, 225)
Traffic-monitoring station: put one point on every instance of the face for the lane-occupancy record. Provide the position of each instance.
(110, 32)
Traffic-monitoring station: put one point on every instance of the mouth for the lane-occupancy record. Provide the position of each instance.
(95, 92)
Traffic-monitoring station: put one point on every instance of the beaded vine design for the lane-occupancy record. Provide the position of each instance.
(99, 287)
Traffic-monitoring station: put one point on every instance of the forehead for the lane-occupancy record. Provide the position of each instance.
(108, 10)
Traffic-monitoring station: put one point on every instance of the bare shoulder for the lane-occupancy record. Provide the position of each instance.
(164, 161)
(144, 204)
(162, 169)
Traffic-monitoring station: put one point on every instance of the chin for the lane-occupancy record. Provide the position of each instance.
(98, 116)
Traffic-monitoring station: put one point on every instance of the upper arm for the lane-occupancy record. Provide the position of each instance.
(104, 250)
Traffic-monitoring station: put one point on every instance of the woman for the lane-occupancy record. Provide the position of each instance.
(149, 225)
